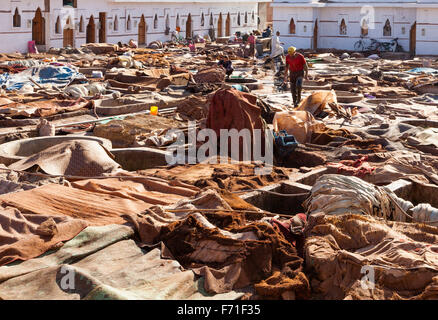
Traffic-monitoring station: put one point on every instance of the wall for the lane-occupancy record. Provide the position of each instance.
(122, 10)
(16, 38)
(266, 15)
(330, 18)
(330, 15)
(304, 22)
(427, 32)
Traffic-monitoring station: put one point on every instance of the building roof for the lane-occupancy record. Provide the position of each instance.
(360, 3)
(355, 3)
(188, 1)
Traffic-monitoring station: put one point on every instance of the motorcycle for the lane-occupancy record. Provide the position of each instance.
(391, 46)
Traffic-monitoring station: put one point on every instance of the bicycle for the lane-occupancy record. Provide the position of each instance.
(374, 45)
(360, 44)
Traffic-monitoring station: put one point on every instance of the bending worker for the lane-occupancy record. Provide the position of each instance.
(297, 66)
(227, 65)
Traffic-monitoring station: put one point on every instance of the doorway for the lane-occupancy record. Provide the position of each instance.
(413, 39)
(219, 26)
(142, 31)
(38, 28)
(68, 34)
(315, 35)
(91, 31)
(228, 26)
(102, 27)
(189, 27)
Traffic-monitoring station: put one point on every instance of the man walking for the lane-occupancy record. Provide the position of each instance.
(297, 66)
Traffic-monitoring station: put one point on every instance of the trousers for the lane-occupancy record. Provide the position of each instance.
(296, 85)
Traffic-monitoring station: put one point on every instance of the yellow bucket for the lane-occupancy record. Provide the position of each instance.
(154, 110)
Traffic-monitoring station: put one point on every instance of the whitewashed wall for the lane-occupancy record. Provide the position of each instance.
(304, 21)
(330, 16)
(329, 21)
(427, 31)
(15, 39)
(149, 10)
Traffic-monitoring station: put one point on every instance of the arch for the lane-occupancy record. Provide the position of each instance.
(228, 25)
(142, 31)
(91, 31)
(155, 21)
(58, 25)
(343, 27)
(38, 28)
(189, 26)
(202, 19)
(68, 34)
(128, 23)
(219, 26)
(16, 20)
(387, 30)
(211, 19)
(177, 21)
(116, 23)
(238, 18)
(364, 28)
(253, 16)
(246, 17)
(81, 24)
(292, 27)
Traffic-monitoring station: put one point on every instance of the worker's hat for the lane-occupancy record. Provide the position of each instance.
(291, 50)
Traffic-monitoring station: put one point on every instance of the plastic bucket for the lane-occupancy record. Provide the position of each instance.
(154, 110)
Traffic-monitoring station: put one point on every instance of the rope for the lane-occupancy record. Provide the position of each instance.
(273, 192)
(406, 214)
(398, 206)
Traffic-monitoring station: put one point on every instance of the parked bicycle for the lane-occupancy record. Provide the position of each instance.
(360, 45)
(376, 45)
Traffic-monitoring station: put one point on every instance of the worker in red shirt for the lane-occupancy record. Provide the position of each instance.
(252, 42)
(297, 66)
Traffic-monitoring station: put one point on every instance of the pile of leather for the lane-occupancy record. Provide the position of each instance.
(231, 250)
(360, 257)
(210, 75)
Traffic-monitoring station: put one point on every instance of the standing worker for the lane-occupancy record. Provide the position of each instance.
(252, 43)
(297, 66)
(277, 52)
(276, 48)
